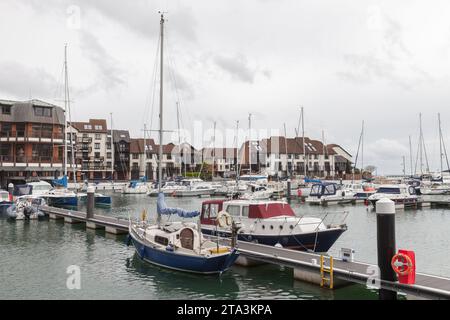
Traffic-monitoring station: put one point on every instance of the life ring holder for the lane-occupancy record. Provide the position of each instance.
(224, 219)
(406, 259)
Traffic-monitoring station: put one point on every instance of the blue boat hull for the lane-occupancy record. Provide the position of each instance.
(106, 201)
(195, 264)
(63, 201)
(317, 242)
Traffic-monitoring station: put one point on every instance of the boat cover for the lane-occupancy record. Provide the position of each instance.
(61, 182)
(163, 209)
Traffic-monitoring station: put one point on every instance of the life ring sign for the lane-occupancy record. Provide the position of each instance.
(404, 265)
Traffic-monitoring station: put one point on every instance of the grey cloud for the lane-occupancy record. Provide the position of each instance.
(108, 67)
(238, 67)
(19, 81)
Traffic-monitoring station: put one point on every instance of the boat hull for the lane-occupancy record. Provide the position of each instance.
(62, 201)
(193, 193)
(320, 241)
(103, 201)
(185, 263)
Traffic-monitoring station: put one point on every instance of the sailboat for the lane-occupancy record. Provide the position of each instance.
(178, 245)
(60, 195)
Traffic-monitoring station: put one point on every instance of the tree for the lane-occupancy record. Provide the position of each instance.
(371, 169)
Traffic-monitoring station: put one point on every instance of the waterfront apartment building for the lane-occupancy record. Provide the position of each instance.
(121, 152)
(280, 156)
(222, 160)
(31, 141)
(144, 159)
(93, 150)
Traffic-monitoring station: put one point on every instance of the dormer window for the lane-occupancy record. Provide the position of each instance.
(87, 127)
(42, 112)
(98, 127)
(6, 109)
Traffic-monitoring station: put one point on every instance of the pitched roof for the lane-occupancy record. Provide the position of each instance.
(121, 135)
(23, 111)
(137, 145)
(219, 153)
(94, 125)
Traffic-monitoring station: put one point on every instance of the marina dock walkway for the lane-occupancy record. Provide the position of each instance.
(426, 286)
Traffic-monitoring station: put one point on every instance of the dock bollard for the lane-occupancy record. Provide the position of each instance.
(90, 202)
(385, 209)
(288, 196)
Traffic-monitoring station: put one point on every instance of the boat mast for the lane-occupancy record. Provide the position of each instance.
(250, 143)
(145, 151)
(237, 152)
(440, 142)
(410, 156)
(179, 134)
(214, 151)
(286, 150)
(161, 93)
(420, 144)
(303, 138)
(67, 108)
(362, 150)
(323, 151)
(112, 149)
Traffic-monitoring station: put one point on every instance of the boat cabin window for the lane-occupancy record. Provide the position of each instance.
(316, 189)
(245, 211)
(187, 238)
(234, 210)
(389, 190)
(330, 189)
(213, 210)
(162, 240)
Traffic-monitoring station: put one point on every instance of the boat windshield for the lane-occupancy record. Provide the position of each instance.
(389, 190)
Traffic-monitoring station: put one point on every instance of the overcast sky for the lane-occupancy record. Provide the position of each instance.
(347, 61)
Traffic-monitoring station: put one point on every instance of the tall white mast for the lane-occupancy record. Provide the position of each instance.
(323, 151)
(179, 134)
(112, 148)
(214, 151)
(237, 152)
(67, 109)
(362, 150)
(161, 94)
(421, 144)
(250, 143)
(410, 156)
(440, 143)
(286, 150)
(303, 138)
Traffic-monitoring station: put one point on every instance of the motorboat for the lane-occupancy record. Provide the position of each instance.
(27, 208)
(328, 193)
(61, 197)
(435, 189)
(272, 223)
(361, 191)
(258, 193)
(5, 201)
(168, 189)
(401, 194)
(136, 187)
(194, 188)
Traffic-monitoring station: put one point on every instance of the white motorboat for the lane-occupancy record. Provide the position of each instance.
(272, 223)
(168, 189)
(26, 208)
(435, 189)
(401, 194)
(136, 187)
(361, 191)
(195, 191)
(328, 193)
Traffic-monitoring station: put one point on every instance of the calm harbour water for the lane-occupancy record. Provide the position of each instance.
(35, 255)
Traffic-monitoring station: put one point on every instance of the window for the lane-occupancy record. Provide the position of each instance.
(162, 240)
(97, 127)
(169, 157)
(122, 147)
(87, 127)
(245, 211)
(97, 136)
(97, 146)
(108, 155)
(213, 211)
(6, 109)
(108, 145)
(108, 164)
(42, 112)
(135, 156)
(234, 210)
(97, 155)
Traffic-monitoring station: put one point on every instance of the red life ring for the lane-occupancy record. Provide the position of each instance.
(406, 264)
(299, 192)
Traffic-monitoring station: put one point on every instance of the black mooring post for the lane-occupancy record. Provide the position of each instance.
(385, 209)
(90, 202)
(288, 196)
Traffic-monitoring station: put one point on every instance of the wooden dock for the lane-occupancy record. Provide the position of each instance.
(306, 265)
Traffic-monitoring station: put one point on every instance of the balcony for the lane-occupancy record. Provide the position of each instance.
(42, 161)
(84, 140)
(35, 136)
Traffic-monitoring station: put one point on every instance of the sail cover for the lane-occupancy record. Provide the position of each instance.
(163, 209)
(61, 182)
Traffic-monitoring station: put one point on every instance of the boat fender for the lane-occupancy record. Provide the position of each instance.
(343, 193)
(128, 240)
(170, 247)
(224, 219)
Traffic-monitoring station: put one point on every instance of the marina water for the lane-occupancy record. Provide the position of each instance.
(35, 256)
